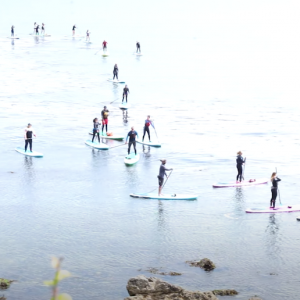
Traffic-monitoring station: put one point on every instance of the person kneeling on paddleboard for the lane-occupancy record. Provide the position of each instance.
(162, 174)
(274, 189)
(115, 72)
(132, 135)
(148, 122)
(104, 113)
(96, 129)
(125, 93)
(28, 137)
(239, 165)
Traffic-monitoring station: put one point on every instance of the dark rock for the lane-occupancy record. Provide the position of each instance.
(5, 283)
(204, 263)
(225, 292)
(143, 288)
(159, 272)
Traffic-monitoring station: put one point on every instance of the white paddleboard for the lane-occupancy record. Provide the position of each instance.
(279, 209)
(138, 54)
(111, 137)
(164, 197)
(152, 144)
(124, 105)
(100, 146)
(115, 81)
(28, 152)
(243, 183)
(13, 38)
(131, 159)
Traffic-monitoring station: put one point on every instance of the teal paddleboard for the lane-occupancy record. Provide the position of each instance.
(131, 159)
(28, 152)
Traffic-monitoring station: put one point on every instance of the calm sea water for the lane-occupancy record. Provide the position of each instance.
(217, 78)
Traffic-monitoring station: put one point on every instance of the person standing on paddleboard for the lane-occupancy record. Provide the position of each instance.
(104, 45)
(125, 93)
(73, 29)
(132, 135)
(96, 129)
(239, 165)
(162, 174)
(148, 122)
(116, 71)
(87, 36)
(37, 29)
(138, 47)
(274, 189)
(43, 29)
(104, 114)
(28, 137)
(34, 28)
(12, 30)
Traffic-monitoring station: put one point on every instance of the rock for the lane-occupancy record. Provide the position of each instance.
(158, 271)
(204, 263)
(2, 298)
(225, 292)
(5, 283)
(143, 288)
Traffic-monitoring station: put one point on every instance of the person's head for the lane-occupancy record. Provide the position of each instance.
(95, 120)
(29, 125)
(132, 128)
(104, 107)
(163, 161)
(116, 65)
(273, 175)
(126, 85)
(239, 153)
(34, 22)
(148, 117)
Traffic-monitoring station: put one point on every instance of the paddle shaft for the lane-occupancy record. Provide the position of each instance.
(117, 146)
(166, 180)
(244, 168)
(155, 131)
(278, 190)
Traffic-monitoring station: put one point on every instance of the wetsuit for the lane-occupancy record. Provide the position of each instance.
(12, 31)
(96, 131)
(37, 29)
(162, 174)
(29, 133)
(104, 114)
(125, 93)
(274, 190)
(132, 135)
(146, 129)
(74, 28)
(115, 72)
(104, 45)
(239, 166)
(43, 29)
(138, 47)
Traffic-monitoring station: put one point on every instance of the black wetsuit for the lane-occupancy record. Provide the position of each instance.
(125, 93)
(115, 72)
(274, 190)
(239, 166)
(132, 135)
(146, 129)
(28, 140)
(37, 29)
(74, 28)
(96, 131)
(138, 47)
(162, 174)
(12, 31)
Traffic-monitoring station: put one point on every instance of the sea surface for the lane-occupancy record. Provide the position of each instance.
(217, 77)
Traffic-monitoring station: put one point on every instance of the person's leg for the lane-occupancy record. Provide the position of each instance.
(106, 127)
(98, 136)
(26, 144)
(114, 76)
(134, 146)
(145, 129)
(129, 146)
(102, 126)
(126, 97)
(240, 170)
(274, 197)
(148, 131)
(123, 97)
(94, 133)
(117, 76)
(30, 144)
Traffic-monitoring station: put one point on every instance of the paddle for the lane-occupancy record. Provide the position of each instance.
(166, 180)
(117, 146)
(97, 53)
(278, 190)
(114, 101)
(244, 168)
(155, 132)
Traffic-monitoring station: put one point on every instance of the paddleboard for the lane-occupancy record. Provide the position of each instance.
(164, 197)
(138, 54)
(243, 183)
(152, 144)
(112, 137)
(105, 54)
(131, 159)
(124, 105)
(100, 146)
(13, 38)
(28, 152)
(115, 81)
(284, 208)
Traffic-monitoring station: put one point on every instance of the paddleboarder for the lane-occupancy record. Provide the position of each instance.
(115, 72)
(138, 47)
(104, 45)
(87, 36)
(28, 136)
(43, 29)
(12, 30)
(37, 29)
(34, 27)
(162, 174)
(239, 165)
(96, 129)
(125, 93)
(132, 134)
(148, 122)
(73, 29)
(104, 114)
(274, 189)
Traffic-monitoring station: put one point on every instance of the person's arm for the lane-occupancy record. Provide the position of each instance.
(277, 179)
(33, 133)
(127, 138)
